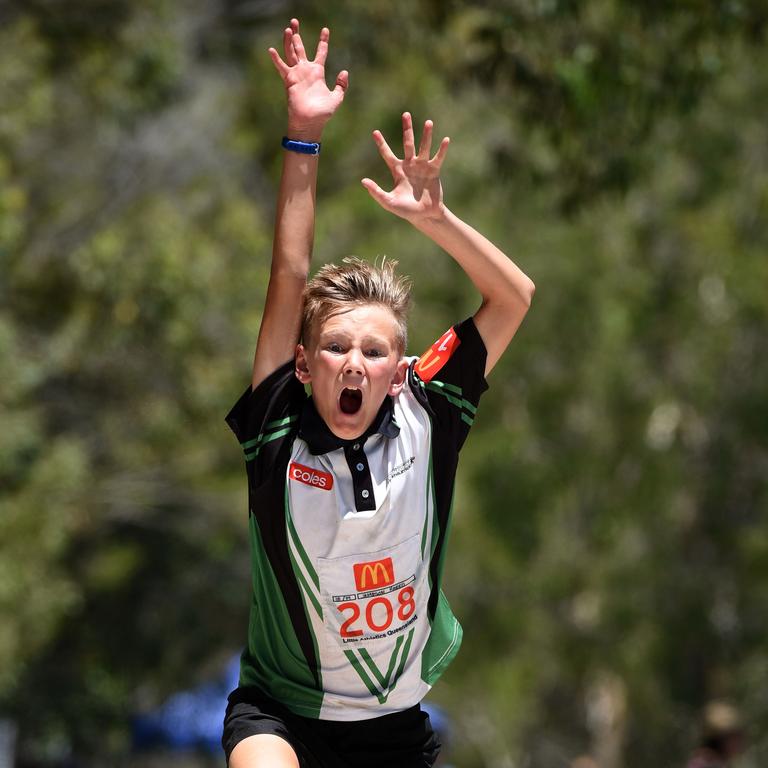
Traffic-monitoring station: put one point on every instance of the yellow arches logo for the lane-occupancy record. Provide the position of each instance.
(373, 575)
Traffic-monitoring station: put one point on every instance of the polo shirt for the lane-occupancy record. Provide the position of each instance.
(348, 537)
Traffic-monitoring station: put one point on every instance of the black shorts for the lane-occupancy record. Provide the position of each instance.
(403, 739)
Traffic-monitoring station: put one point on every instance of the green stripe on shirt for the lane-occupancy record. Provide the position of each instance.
(267, 439)
(271, 425)
(444, 389)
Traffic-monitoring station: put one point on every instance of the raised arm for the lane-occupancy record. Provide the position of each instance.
(310, 105)
(418, 197)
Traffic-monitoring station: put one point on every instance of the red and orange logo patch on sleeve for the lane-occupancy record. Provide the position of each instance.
(437, 355)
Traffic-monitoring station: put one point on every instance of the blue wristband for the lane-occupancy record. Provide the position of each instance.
(303, 147)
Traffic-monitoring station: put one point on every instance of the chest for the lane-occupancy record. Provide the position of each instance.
(365, 497)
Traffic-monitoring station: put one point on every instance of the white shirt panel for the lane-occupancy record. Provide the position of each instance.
(336, 538)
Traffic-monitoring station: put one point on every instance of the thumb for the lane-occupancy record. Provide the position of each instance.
(342, 83)
(376, 192)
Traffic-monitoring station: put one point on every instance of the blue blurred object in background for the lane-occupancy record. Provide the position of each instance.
(443, 727)
(188, 720)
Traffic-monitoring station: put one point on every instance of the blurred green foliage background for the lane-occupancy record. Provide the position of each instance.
(609, 555)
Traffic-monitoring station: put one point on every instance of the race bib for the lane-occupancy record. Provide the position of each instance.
(372, 598)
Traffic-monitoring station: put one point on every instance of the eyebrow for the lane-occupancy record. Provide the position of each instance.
(326, 336)
(375, 340)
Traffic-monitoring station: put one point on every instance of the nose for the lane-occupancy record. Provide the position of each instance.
(353, 365)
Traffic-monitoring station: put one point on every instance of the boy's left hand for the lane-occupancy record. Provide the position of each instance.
(417, 194)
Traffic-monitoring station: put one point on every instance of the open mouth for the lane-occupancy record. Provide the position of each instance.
(350, 400)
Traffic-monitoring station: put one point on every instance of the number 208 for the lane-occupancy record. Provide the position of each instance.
(352, 613)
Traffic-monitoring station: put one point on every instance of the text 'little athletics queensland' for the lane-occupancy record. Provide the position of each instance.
(350, 489)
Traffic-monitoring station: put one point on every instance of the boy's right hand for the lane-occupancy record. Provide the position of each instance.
(310, 102)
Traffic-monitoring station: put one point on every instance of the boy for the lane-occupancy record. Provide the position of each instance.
(350, 490)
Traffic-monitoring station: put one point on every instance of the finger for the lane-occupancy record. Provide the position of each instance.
(298, 47)
(294, 25)
(342, 83)
(290, 55)
(322, 46)
(376, 192)
(280, 65)
(409, 146)
(442, 151)
(426, 141)
(384, 150)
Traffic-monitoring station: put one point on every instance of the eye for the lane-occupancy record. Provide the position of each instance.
(334, 347)
(374, 352)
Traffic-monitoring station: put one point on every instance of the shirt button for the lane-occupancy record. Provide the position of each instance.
(365, 494)
(356, 447)
(360, 467)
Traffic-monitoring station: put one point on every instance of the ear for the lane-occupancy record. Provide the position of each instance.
(398, 380)
(302, 366)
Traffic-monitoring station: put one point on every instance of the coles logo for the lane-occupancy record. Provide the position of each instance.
(437, 355)
(314, 477)
(379, 573)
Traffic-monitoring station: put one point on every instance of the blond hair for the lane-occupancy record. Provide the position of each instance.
(337, 288)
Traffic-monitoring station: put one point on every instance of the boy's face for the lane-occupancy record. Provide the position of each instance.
(352, 362)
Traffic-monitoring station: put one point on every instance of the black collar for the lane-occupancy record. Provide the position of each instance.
(314, 431)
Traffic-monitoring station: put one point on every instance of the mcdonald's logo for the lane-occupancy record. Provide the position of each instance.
(437, 355)
(379, 573)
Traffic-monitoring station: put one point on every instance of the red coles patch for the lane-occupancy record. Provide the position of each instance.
(309, 476)
(437, 355)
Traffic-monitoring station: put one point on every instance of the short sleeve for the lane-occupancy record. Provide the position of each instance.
(266, 419)
(451, 376)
